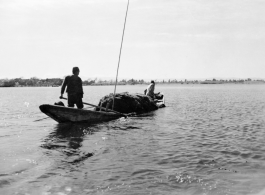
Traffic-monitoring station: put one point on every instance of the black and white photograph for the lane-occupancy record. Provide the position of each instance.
(132, 97)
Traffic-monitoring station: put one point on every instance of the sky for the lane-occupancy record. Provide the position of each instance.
(164, 39)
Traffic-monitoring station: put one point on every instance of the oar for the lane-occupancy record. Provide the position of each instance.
(99, 107)
(41, 119)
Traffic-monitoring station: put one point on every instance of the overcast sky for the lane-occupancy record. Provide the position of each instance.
(190, 39)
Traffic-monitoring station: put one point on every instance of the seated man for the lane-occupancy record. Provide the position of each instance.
(150, 91)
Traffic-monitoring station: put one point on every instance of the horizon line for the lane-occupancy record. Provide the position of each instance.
(155, 79)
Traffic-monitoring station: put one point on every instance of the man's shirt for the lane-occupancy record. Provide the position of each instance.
(74, 85)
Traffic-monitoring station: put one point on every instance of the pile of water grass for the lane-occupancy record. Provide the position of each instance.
(128, 103)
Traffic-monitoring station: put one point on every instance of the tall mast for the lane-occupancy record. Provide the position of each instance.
(120, 56)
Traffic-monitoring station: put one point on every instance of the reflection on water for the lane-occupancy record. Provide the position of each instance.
(68, 139)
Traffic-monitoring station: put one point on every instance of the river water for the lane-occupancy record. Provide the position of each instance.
(210, 139)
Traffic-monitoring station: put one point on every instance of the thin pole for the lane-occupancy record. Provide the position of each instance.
(120, 56)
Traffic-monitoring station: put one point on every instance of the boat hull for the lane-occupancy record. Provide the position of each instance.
(63, 114)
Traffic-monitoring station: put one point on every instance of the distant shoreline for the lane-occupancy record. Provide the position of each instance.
(56, 82)
(158, 83)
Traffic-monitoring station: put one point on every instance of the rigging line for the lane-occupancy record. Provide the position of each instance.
(120, 55)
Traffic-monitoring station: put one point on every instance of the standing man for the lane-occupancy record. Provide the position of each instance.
(150, 91)
(74, 89)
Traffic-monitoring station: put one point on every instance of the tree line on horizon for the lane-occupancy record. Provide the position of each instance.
(48, 82)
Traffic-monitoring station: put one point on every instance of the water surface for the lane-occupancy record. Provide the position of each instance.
(210, 139)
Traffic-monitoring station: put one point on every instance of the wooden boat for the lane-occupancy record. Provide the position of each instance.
(63, 114)
(161, 103)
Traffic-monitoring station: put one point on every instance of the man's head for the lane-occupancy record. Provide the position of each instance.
(75, 70)
(153, 82)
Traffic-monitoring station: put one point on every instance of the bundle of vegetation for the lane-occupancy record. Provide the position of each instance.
(128, 103)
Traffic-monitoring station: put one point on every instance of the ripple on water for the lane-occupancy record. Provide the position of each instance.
(209, 140)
